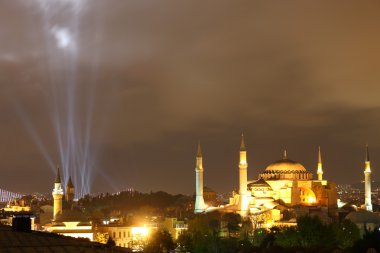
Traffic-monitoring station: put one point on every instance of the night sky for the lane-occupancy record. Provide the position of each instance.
(133, 85)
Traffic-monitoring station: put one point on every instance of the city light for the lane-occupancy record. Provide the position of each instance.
(311, 199)
(140, 233)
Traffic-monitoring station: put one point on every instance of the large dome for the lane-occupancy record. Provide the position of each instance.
(286, 169)
(285, 165)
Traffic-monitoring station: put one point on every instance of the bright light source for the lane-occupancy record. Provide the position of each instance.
(62, 36)
(140, 232)
(311, 199)
(269, 223)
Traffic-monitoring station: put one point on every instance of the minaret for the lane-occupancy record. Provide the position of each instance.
(70, 193)
(243, 165)
(319, 166)
(199, 200)
(367, 182)
(57, 195)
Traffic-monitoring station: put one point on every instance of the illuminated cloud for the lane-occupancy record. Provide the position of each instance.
(295, 74)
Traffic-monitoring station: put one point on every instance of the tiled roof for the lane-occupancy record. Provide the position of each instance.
(35, 242)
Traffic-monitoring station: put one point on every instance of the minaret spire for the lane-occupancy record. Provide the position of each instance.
(70, 191)
(58, 176)
(367, 182)
(242, 143)
(70, 182)
(199, 150)
(319, 166)
(285, 155)
(367, 154)
(367, 167)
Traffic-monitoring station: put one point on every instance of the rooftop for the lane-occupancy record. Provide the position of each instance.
(14, 241)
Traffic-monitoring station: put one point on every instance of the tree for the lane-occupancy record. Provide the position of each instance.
(205, 230)
(371, 240)
(110, 243)
(346, 234)
(233, 222)
(185, 242)
(246, 230)
(160, 241)
(310, 232)
(102, 238)
(228, 245)
(96, 216)
(313, 233)
(259, 219)
(287, 237)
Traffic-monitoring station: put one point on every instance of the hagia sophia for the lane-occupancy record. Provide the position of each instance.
(284, 184)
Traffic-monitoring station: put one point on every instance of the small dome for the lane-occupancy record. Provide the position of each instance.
(259, 184)
(285, 165)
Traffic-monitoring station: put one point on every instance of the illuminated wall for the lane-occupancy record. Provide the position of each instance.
(127, 236)
(72, 229)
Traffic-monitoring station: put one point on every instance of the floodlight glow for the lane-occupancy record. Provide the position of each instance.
(71, 125)
(140, 232)
(63, 37)
(311, 199)
(27, 122)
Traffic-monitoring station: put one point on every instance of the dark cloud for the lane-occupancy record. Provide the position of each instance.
(151, 78)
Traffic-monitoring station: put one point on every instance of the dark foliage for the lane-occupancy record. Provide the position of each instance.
(205, 235)
(154, 203)
(160, 241)
(371, 239)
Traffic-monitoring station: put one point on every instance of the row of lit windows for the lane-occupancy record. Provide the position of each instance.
(124, 234)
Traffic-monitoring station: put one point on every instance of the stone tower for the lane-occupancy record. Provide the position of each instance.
(70, 192)
(200, 206)
(243, 165)
(367, 182)
(57, 195)
(319, 166)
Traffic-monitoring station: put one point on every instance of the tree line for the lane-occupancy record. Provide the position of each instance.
(228, 233)
(154, 203)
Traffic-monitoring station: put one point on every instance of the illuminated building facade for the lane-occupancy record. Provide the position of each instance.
(135, 237)
(127, 236)
(174, 226)
(284, 183)
(17, 206)
(72, 228)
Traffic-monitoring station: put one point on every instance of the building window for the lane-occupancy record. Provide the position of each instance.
(129, 233)
(114, 235)
(119, 234)
(124, 236)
